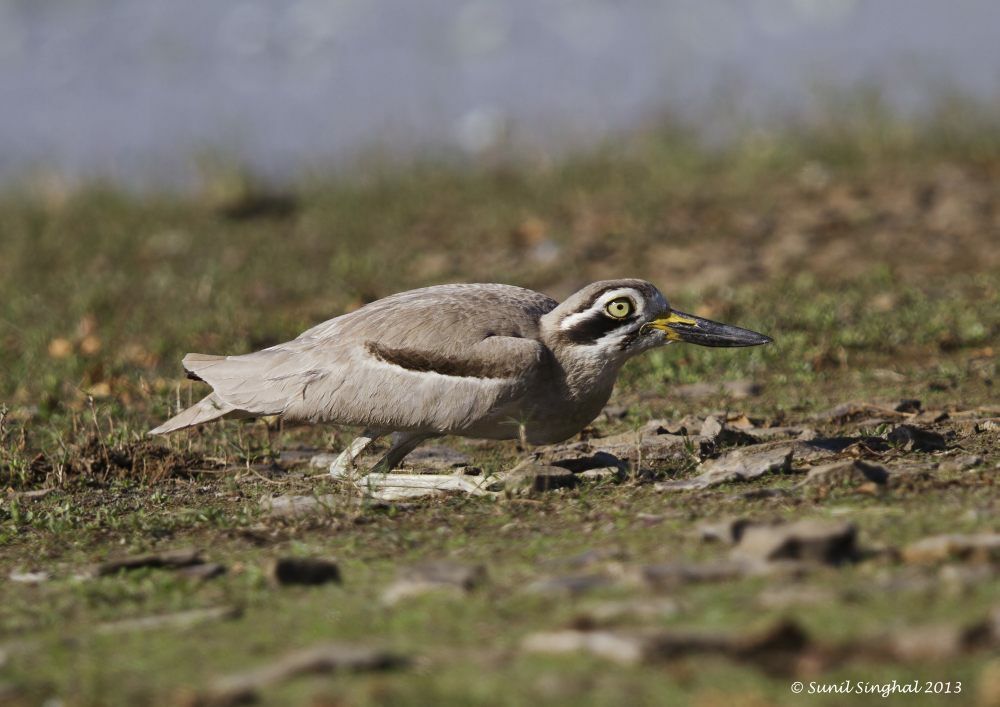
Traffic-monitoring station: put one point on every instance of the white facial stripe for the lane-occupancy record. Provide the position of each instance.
(601, 302)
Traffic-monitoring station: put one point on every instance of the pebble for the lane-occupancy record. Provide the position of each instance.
(809, 541)
(434, 577)
(980, 547)
(738, 465)
(537, 478)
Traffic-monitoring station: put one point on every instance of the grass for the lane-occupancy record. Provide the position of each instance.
(871, 255)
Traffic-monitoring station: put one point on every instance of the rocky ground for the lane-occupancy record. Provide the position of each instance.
(821, 511)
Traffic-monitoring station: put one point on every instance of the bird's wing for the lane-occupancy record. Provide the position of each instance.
(443, 359)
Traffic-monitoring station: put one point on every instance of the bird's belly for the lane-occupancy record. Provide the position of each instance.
(545, 421)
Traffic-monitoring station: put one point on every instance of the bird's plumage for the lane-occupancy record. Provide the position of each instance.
(478, 360)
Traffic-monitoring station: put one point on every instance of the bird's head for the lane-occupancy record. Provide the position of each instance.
(616, 319)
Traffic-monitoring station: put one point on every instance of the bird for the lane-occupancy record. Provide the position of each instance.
(489, 361)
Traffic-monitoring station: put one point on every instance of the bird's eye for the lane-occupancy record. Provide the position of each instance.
(619, 308)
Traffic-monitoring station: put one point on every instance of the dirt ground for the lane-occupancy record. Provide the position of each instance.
(821, 512)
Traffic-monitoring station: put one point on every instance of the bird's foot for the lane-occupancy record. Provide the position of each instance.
(343, 466)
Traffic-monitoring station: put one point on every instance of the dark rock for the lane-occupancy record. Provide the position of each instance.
(597, 460)
(912, 438)
(170, 559)
(907, 405)
(305, 570)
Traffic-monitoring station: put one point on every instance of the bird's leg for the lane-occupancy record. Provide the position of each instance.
(345, 462)
(402, 444)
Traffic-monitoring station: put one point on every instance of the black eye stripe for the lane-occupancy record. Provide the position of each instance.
(595, 327)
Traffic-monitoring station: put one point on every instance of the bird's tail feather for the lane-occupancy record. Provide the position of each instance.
(211, 407)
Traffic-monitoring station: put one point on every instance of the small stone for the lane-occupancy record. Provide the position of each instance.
(610, 612)
(931, 643)
(180, 619)
(627, 447)
(291, 458)
(907, 405)
(721, 432)
(322, 461)
(434, 577)
(572, 585)
(978, 548)
(809, 541)
(774, 648)
(615, 412)
(738, 465)
(622, 648)
(988, 426)
(962, 463)
(988, 690)
(912, 438)
(436, 459)
(209, 570)
(768, 434)
(607, 473)
(852, 473)
(241, 688)
(298, 506)
(728, 531)
(29, 577)
(537, 478)
(929, 417)
(304, 570)
(670, 575)
(393, 487)
(781, 598)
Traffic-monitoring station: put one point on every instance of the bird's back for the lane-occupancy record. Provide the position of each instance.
(447, 358)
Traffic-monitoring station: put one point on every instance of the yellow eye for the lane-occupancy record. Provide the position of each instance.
(619, 308)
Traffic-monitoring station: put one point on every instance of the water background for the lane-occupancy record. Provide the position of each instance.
(134, 90)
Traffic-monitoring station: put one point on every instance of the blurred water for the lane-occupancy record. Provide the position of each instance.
(132, 89)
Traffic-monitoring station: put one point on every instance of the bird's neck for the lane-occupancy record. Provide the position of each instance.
(586, 373)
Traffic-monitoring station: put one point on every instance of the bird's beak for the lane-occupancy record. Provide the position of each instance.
(679, 326)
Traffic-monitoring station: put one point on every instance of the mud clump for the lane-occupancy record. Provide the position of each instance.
(97, 462)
